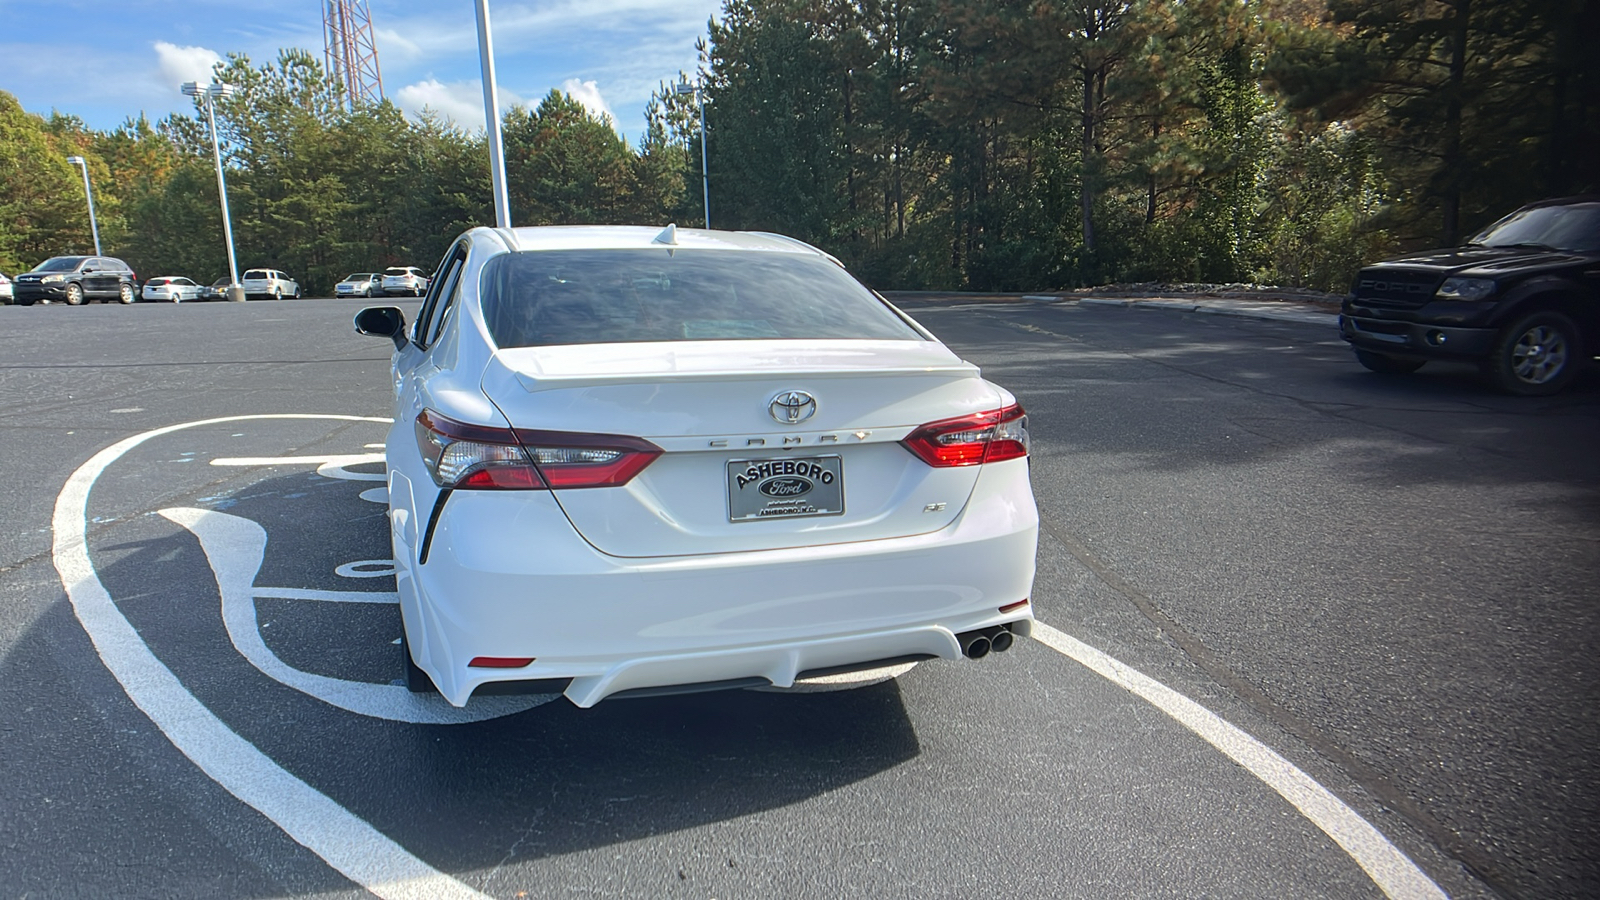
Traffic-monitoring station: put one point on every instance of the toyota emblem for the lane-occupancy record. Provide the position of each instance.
(793, 407)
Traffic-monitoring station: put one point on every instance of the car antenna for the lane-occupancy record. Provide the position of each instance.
(668, 235)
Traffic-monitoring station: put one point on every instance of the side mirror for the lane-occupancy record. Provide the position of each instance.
(382, 321)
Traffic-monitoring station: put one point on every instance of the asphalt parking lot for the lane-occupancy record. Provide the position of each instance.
(1380, 590)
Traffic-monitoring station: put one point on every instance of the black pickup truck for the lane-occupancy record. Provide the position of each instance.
(1521, 300)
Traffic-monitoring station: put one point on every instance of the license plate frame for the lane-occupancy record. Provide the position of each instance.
(785, 487)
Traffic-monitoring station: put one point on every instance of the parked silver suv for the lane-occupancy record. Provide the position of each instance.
(408, 280)
(269, 283)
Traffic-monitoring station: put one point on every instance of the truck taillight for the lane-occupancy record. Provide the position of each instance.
(984, 437)
(480, 457)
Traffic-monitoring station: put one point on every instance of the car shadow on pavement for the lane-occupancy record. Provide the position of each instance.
(551, 780)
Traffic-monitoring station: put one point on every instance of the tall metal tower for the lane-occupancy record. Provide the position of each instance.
(349, 51)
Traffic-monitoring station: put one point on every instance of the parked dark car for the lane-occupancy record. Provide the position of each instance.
(216, 290)
(77, 280)
(1521, 300)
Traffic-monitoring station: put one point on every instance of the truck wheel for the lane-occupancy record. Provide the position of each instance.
(1535, 355)
(1387, 365)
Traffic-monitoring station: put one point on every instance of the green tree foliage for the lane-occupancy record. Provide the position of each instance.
(1473, 107)
(43, 211)
(315, 187)
(1030, 143)
(984, 144)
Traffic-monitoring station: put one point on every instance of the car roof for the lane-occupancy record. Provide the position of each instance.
(623, 237)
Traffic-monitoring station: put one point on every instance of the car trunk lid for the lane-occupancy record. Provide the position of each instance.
(735, 474)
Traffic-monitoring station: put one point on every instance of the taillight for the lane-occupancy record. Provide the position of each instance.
(992, 436)
(479, 457)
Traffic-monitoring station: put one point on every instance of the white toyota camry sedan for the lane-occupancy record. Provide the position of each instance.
(631, 461)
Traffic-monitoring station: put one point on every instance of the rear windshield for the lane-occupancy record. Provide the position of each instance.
(396, 271)
(539, 298)
(59, 264)
(159, 281)
(257, 275)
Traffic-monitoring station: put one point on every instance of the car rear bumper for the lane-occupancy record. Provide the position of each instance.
(1417, 340)
(507, 576)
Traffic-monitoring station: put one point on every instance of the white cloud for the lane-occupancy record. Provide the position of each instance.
(588, 93)
(459, 101)
(180, 64)
(393, 44)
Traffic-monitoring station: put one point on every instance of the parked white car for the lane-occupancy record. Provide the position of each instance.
(5, 288)
(408, 280)
(360, 284)
(268, 283)
(626, 461)
(173, 288)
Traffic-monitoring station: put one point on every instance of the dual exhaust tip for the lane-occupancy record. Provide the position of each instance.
(998, 638)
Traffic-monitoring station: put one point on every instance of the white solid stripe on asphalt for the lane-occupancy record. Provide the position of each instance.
(1391, 870)
(369, 858)
(357, 850)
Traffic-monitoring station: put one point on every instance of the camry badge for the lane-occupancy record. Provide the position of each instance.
(792, 407)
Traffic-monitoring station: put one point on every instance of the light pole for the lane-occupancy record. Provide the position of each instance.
(83, 164)
(208, 95)
(491, 118)
(684, 88)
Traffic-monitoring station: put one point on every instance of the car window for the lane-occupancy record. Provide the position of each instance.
(430, 300)
(59, 264)
(450, 291)
(537, 298)
(255, 274)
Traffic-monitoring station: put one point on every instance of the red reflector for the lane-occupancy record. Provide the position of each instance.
(499, 662)
(503, 477)
(1017, 605)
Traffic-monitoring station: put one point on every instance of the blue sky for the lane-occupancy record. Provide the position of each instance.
(106, 60)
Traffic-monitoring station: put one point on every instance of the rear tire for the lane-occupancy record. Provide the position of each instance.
(1536, 355)
(125, 294)
(74, 294)
(1387, 365)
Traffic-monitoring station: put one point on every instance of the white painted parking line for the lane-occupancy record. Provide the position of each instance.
(367, 856)
(1391, 870)
(366, 568)
(235, 547)
(330, 466)
(279, 593)
(347, 843)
